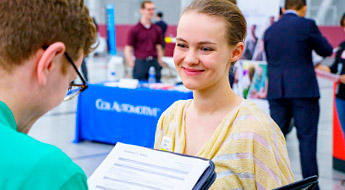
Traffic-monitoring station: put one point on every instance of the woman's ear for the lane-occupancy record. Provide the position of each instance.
(237, 52)
(48, 59)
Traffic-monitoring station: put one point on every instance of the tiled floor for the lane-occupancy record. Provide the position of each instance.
(58, 128)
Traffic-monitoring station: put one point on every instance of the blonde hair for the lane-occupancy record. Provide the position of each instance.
(236, 26)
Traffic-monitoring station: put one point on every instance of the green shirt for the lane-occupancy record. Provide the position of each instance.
(26, 163)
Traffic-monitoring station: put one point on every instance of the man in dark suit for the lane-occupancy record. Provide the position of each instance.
(293, 90)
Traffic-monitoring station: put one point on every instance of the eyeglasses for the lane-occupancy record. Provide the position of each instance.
(74, 89)
(151, 9)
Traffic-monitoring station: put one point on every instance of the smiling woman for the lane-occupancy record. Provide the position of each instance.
(246, 145)
(202, 58)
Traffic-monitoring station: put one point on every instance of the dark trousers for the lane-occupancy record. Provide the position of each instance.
(305, 112)
(141, 69)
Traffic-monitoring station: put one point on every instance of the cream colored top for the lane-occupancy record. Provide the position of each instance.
(247, 147)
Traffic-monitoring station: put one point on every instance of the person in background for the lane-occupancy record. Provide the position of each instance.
(338, 67)
(293, 90)
(163, 25)
(247, 147)
(38, 62)
(145, 40)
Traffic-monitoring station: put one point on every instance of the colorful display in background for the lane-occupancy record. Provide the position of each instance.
(251, 79)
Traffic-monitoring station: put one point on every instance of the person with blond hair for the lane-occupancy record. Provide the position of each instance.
(246, 146)
(42, 44)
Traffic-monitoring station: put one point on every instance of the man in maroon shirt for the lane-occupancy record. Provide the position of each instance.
(145, 40)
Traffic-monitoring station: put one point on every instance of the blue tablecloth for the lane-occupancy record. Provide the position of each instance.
(112, 114)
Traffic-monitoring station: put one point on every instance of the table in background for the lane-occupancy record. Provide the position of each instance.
(112, 114)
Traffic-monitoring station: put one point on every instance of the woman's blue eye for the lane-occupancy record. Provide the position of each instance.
(206, 49)
(181, 45)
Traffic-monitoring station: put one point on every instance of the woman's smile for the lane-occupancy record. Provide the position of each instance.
(192, 72)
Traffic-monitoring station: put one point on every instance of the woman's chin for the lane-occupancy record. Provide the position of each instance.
(189, 86)
(192, 86)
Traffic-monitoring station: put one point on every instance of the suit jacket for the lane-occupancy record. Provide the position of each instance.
(164, 28)
(288, 45)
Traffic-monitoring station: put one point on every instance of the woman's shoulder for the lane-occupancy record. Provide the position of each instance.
(250, 118)
(170, 122)
(173, 115)
(175, 108)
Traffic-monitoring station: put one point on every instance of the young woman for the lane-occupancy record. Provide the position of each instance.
(247, 147)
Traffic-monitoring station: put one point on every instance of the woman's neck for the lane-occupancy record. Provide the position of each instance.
(217, 98)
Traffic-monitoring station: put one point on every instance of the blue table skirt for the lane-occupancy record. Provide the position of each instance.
(111, 114)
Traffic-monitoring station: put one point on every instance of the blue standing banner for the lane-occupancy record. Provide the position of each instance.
(110, 11)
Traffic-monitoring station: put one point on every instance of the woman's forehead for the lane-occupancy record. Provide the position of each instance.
(197, 25)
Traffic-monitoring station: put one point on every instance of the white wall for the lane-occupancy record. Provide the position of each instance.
(127, 11)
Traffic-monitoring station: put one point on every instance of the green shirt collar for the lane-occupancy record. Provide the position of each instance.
(6, 117)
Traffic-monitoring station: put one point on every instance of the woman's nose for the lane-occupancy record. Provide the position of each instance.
(191, 57)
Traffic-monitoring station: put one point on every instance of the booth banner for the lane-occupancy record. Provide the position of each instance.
(110, 114)
(111, 28)
(250, 79)
(259, 16)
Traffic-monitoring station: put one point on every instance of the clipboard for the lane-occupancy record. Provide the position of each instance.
(305, 184)
(134, 167)
(207, 178)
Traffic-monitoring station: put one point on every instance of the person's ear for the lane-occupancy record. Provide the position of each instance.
(52, 55)
(142, 11)
(303, 11)
(237, 52)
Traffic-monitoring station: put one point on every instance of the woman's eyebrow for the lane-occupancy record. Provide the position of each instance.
(180, 39)
(207, 42)
(202, 42)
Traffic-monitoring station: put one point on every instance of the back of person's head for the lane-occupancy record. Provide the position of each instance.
(295, 4)
(160, 14)
(143, 4)
(342, 20)
(28, 25)
(235, 23)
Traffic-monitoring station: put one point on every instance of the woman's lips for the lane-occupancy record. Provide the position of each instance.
(192, 72)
